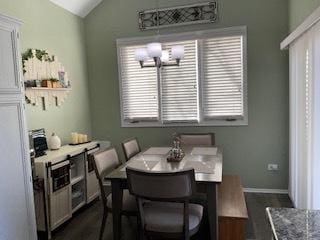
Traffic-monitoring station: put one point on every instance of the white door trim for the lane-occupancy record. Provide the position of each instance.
(301, 29)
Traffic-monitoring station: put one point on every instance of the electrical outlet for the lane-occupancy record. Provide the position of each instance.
(273, 167)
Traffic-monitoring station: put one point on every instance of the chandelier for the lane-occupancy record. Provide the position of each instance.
(161, 57)
(154, 51)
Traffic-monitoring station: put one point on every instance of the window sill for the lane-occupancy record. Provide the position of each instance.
(213, 123)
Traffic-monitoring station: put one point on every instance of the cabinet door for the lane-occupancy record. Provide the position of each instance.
(93, 190)
(60, 207)
(60, 202)
(10, 74)
(17, 218)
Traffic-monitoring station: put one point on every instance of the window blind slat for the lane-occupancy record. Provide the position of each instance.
(179, 95)
(223, 77)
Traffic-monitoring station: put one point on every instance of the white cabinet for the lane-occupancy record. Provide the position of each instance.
(17, 217)
(67, 182)
(10, 74)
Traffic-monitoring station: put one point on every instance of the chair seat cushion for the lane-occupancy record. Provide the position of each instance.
(168, 217)
(128, 202)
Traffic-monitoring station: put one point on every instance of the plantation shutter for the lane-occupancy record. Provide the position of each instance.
(139, 87)
(179, 86)
(222, 59)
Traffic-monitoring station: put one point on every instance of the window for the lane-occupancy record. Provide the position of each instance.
(179, 86)
(139, 88)
(222, 77)
(207, 89)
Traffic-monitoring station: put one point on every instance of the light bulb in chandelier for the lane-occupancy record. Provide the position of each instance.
(177, 52)
(141, 54)
(154, 50)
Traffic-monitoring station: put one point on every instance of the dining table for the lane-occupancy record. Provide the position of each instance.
(206, 162)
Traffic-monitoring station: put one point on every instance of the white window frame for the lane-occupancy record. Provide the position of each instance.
(197, 35)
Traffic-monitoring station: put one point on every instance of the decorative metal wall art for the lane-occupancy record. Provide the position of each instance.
(182, 15)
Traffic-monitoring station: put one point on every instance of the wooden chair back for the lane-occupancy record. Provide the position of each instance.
(104, 162)
(162, 187)
(197, 139)
(131, 148)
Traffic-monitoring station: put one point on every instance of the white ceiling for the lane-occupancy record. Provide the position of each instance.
(79, 7)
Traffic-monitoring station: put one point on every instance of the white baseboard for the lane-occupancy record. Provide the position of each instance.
(265, 190)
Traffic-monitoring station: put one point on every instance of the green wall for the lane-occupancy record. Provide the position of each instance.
(247, 149)
(47, 26)
(299, 10)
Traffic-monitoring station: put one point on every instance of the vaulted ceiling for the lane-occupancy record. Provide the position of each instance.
(79, 7)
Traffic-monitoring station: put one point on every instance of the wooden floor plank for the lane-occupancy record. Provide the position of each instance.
(86, 223)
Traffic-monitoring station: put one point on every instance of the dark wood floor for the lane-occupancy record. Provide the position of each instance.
(86, 224)
(258, 226)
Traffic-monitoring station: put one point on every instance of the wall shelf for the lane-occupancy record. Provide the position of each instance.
(77, 207)
(78, 194)
(44, 70)
(77, 179)
(46, 96)
(50, 89)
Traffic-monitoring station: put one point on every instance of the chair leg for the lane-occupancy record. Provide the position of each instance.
(103, 223)
(139, 230)
(140, 234)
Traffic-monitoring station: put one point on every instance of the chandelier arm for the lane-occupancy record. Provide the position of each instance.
(169, 65)
(148, 65)
(158, 63)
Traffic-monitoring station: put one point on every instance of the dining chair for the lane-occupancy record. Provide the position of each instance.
(197, 139)
(163, 203)
(104, 162)
(131, 148)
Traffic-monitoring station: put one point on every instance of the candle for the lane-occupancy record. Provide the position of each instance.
(85, 138)
(74, 138)
(81, 138)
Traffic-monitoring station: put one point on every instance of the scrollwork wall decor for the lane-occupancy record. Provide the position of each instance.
(175, 16)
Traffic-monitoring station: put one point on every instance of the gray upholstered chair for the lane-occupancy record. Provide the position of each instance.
(131, 148)
(167, 214)
(104, 162)
(197, 139)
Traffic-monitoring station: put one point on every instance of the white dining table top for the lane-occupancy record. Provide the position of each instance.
(206, 162)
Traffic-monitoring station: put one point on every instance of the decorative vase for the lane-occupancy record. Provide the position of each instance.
(54, 142)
